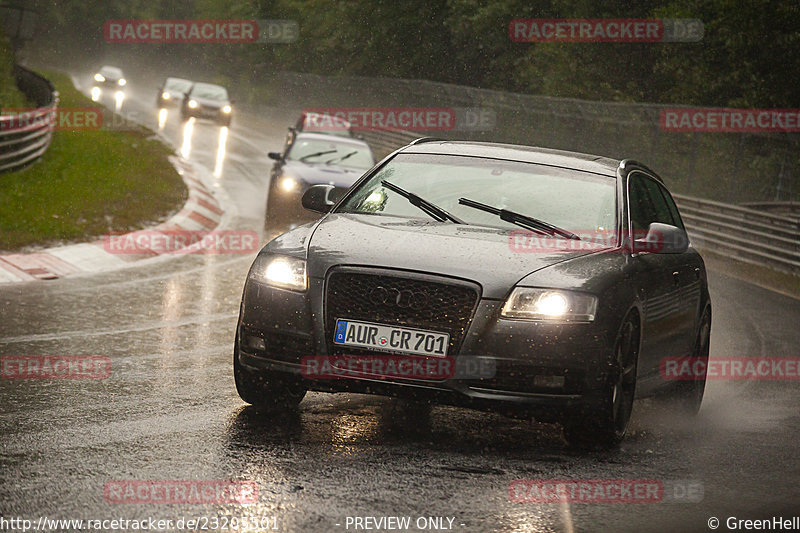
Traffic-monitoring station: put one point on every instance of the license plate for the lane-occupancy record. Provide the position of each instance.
(392, 339)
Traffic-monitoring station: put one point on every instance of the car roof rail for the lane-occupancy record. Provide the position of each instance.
(425, 140)
(625, 162)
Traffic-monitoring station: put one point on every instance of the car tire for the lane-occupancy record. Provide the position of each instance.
(688, 395)
(605, 425)
(264, 388)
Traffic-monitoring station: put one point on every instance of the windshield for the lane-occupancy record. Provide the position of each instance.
(212, 92)
(330, 152)
(580, 202)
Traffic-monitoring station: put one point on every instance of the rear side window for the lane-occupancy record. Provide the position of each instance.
(673, 209)
(647, 203)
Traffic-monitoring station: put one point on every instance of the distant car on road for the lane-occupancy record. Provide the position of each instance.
(109, 77)
(206, 100)
(313, 158)
(571, 274)
(172, 91)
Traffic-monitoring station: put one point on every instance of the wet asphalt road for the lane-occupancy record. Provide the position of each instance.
(169, 410)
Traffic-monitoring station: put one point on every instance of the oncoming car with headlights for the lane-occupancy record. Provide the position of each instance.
(312, 159)
(172, 92)
(572, 273)
(110, 79)
(206, 100)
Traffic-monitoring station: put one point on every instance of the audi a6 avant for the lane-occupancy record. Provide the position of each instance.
(571, 273)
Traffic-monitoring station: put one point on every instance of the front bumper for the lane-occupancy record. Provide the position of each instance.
(291, 326)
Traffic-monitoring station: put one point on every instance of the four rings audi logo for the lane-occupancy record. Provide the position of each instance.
(404, 299)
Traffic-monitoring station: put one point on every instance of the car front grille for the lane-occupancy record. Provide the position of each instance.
(429, 302)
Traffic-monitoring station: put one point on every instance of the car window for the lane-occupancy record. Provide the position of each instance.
(647, 204)
(577, 201)
(320, 151)
(213, 92)
(111, 72)
(673, 209)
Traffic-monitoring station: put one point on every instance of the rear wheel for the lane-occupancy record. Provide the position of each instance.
(605, 425)
(264, 388)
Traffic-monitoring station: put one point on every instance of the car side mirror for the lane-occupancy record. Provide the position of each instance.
(319, 198)
(662, 239)
(277, 156)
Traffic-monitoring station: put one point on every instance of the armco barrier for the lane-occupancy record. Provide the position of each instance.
(24, 140)
(757, 236)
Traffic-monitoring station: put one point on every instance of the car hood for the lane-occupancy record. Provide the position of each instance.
(314, 174)
(484, 255)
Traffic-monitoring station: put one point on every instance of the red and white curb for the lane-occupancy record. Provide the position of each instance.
(201, 212)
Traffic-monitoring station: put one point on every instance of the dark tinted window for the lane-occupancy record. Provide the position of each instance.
(647, 203)
(673, 209)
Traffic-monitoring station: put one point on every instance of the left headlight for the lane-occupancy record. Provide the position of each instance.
(550, 305)
(193, 104)
(227, 109)
(280, 271)
(122, 82)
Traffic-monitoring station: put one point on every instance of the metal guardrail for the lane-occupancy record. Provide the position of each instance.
(753, 234)
(25, 137)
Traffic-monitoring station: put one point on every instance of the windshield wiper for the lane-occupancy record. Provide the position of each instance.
(520, 219)
(432, 209)
(316, 154)
(340, 159)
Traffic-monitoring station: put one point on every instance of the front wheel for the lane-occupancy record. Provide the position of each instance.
(605, 425)
(265, 388)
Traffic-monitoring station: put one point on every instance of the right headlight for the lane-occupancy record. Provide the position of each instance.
(550, 305)
(281, 271)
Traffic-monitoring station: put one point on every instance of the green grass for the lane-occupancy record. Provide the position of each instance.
(88, 183)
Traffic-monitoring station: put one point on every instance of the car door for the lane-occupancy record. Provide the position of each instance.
(690, 272)
(659, 280)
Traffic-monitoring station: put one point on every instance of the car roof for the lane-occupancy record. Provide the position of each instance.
(109, 68)
(204, 84)
(513, 152)
(169, 79)
(331, 138)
